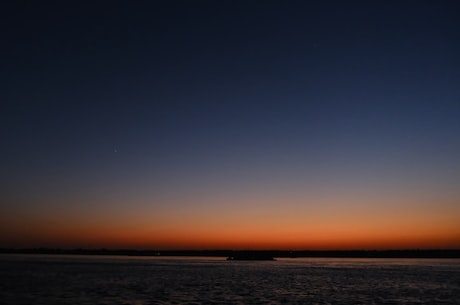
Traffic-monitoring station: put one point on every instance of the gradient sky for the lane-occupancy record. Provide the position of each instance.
(230, 124)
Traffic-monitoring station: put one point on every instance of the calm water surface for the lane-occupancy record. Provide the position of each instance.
(53, 279)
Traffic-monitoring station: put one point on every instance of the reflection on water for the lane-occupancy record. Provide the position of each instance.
(52, 279)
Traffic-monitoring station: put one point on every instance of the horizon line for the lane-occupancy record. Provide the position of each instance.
(389, 253)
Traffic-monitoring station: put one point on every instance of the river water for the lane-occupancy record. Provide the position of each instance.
(68, 279)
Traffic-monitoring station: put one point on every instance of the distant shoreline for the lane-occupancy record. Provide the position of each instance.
(408, 253)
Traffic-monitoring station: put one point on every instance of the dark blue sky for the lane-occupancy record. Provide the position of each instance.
(166, 97)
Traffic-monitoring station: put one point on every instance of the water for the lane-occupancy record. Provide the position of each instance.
(53, 279)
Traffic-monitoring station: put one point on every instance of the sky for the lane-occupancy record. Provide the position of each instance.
(230, 124)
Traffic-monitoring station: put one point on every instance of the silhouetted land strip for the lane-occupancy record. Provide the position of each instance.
(250, 256)
(434, 253)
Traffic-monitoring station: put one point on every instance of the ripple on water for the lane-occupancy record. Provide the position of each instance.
(210, 281)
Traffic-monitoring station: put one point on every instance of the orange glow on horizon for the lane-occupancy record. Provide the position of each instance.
(233, 238)
(335, 224)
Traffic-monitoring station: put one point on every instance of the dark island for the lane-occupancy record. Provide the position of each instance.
(250, 256)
